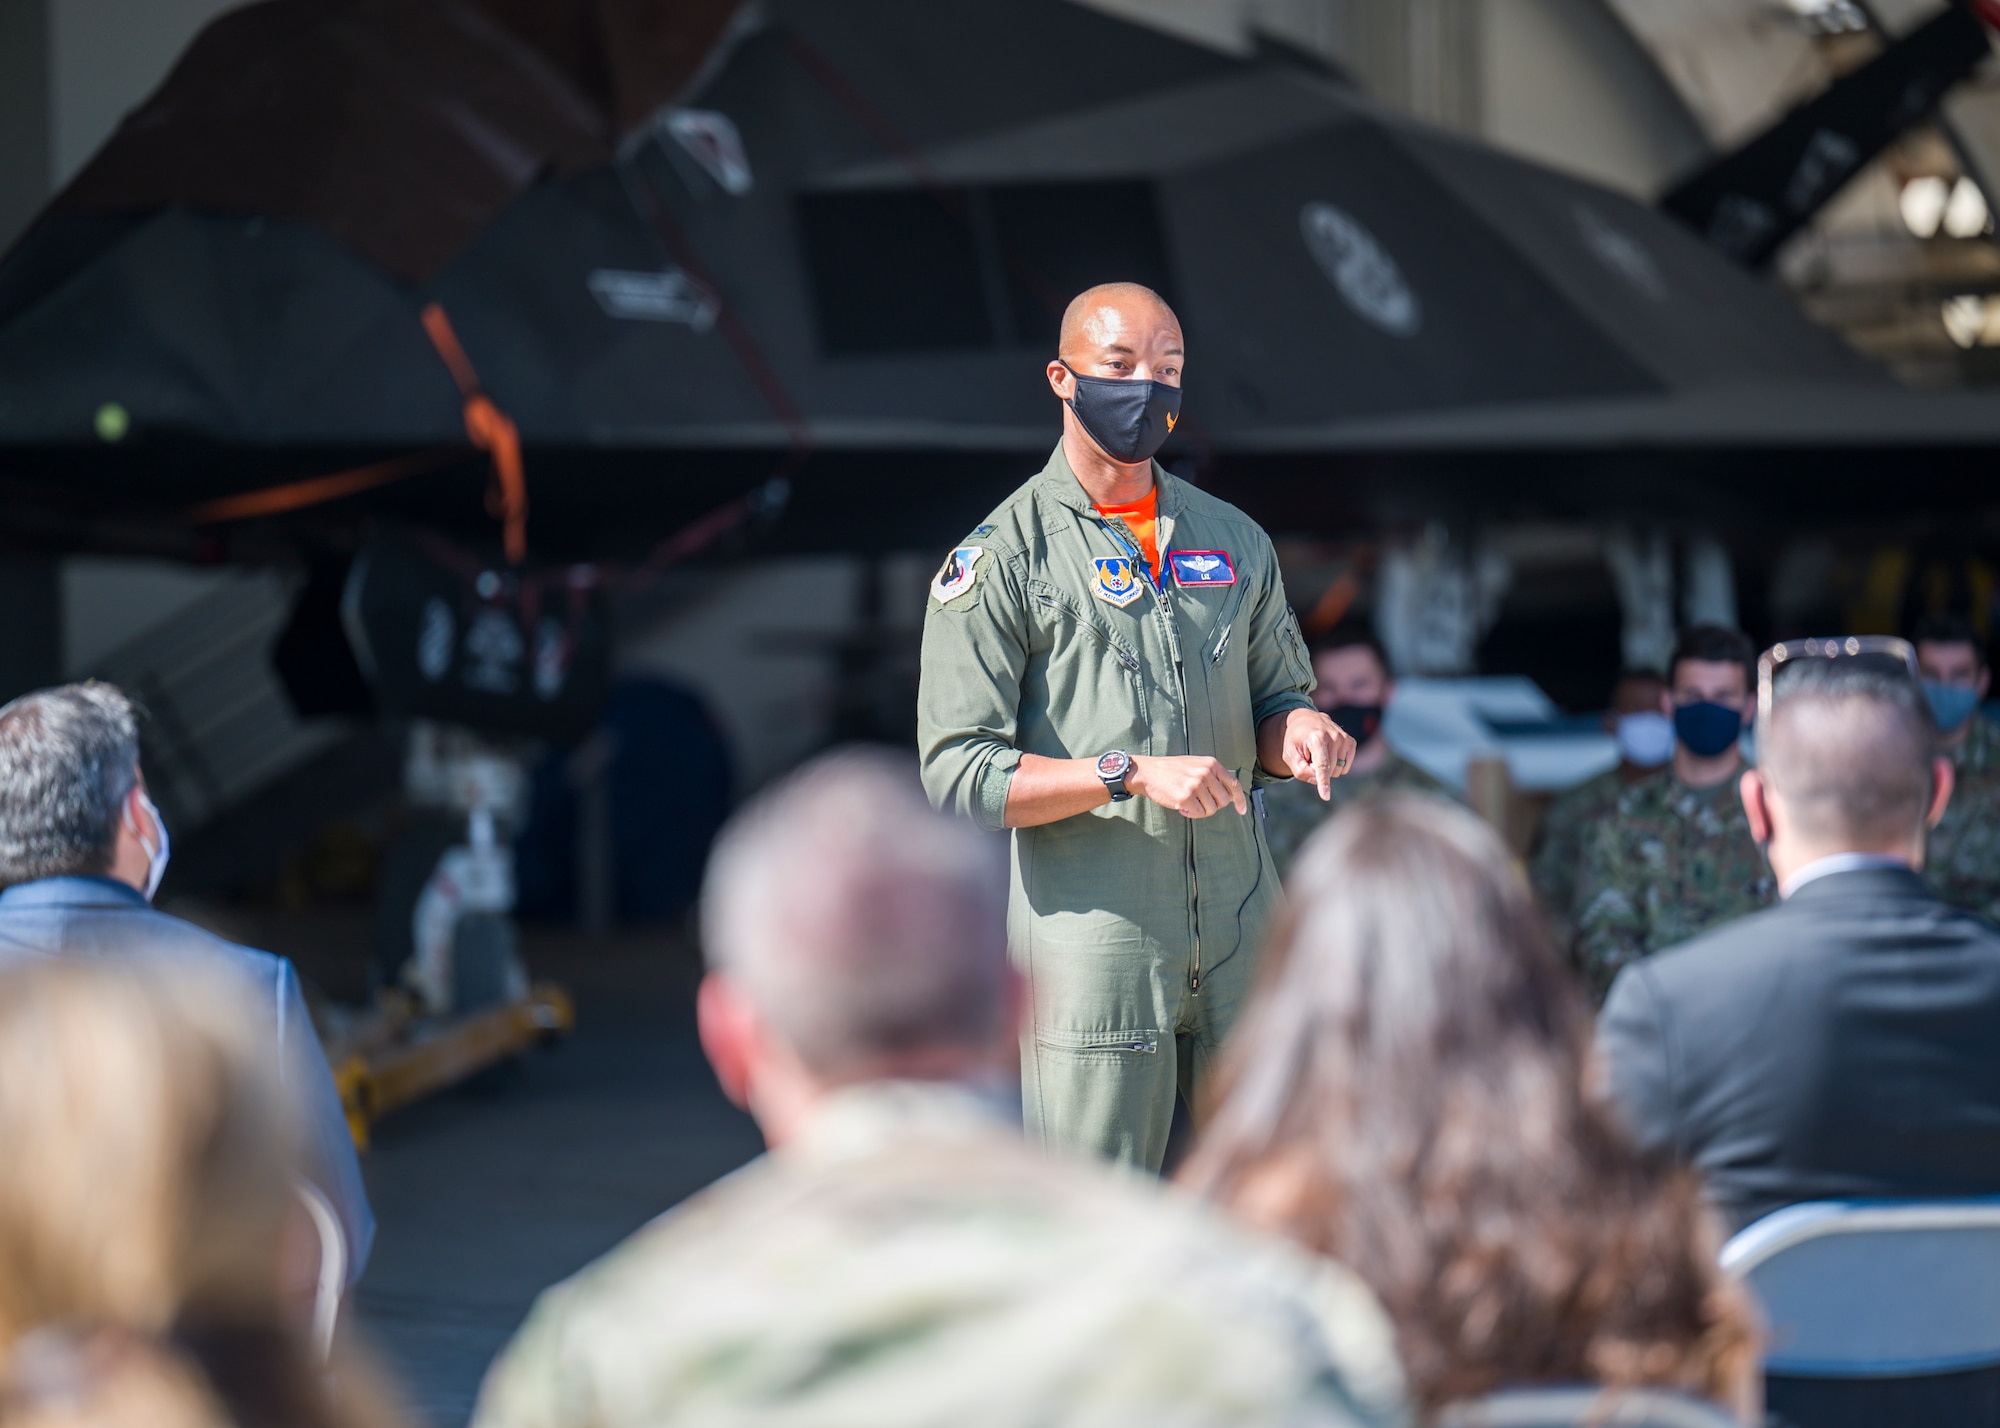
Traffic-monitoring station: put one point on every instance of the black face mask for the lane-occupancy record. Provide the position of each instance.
(1363, 721)
(1129, 417)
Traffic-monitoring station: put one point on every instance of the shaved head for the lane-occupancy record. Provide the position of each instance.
(1100, 316)
(1849, 750)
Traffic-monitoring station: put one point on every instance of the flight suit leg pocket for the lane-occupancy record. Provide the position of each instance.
(1109, 1091)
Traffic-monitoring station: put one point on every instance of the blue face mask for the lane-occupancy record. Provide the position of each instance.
(1951, 704)
(1707, 729)
(1645, 740)
(156, 853)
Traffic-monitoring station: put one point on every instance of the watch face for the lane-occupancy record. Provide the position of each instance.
(1113, 764)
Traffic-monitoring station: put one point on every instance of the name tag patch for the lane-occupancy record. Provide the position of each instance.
(1117, 583)
(958, 573)
(1202, 567)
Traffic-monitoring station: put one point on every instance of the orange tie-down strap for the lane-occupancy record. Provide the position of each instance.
(317, 490)
(492, 431)
(489, 429)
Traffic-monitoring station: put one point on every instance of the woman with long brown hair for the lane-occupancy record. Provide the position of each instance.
(146, 1204)
(1405, 1093)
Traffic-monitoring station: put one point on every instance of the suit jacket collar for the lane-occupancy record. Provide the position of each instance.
(1895, 882)
(80, 890)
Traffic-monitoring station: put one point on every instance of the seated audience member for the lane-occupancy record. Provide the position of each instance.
(1841, 1043)
(1962, 859)
(82, 851)
(1355, 691)
(1404, 1094)
(145, 1207)
(902, 1256)
(1645, 745)
(1675, 856)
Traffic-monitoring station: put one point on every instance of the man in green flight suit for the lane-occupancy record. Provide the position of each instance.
(1962, 862)
(1355, 691)
(1108, 662)
(1676, 857)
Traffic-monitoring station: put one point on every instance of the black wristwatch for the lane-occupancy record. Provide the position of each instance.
(1112, 768)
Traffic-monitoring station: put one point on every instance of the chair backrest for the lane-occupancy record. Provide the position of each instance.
(1875, 1288)
(332, 1275)
(1584, 1406)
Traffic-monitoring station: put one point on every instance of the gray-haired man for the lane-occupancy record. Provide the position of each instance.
(82, 850)
(902, 1257)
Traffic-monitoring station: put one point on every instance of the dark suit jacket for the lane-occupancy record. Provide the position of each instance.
(1844, 1043)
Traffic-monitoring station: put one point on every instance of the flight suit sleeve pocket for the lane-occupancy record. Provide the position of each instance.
(1298, 662)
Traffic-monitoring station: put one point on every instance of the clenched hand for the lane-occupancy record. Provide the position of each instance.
(1194, 784)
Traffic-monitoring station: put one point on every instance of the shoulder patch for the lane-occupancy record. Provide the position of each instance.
(958, 574)
(1116, 583)
(979, 532)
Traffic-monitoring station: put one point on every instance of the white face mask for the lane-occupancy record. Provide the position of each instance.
(1645, 739)
(156, 854)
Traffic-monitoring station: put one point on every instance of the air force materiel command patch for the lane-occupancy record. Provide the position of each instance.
(1202, 567)
(1117, 583)
(958, 573)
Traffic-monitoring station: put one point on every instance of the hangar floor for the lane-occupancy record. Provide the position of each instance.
(490, 1193)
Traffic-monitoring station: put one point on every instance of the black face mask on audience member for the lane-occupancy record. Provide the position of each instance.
(1363, 721)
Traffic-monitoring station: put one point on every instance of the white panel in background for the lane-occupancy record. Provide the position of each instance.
(107, 603)
(759, 650)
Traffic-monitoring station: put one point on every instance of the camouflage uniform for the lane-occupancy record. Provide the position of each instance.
(910, 1260)
(1669, 862)
(1963, 861)
(1566, 829)
(1293, 811)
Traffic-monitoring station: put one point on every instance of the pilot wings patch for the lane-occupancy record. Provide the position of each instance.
(1202, 567)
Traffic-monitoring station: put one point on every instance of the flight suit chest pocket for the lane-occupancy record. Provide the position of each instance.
(1073, 635)
(1208, 625)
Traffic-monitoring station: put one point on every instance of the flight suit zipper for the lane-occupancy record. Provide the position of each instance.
(1163, 612)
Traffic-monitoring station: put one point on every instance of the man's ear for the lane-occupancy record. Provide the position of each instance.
(1061, 380)
(1943, 776)
(730, 1036)
(1756, 805)
(1388, 692)
(1983, 683)
(1667, 702)
(132, 813)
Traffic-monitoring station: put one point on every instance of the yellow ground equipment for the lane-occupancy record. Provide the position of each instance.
(392, 1055)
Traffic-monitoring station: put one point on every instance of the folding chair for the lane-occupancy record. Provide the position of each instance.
(1881, 1312)
(1584, 1406)
(332, 1277)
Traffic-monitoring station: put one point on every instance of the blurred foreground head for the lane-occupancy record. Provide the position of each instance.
(147, 1193)
(146, 1155)
(853, 933)
(1405, 1093)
